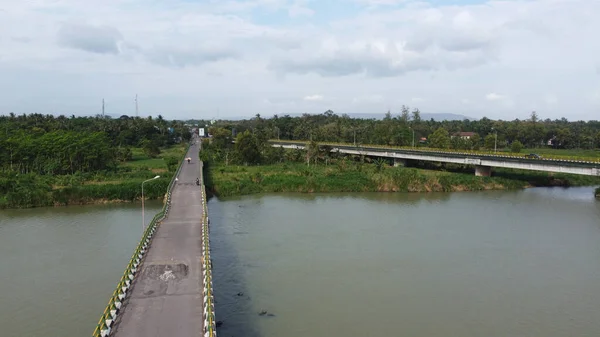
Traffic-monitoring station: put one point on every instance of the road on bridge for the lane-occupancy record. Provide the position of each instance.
(166, 297)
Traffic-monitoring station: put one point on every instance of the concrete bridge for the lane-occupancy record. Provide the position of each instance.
(483, 163)
(166, 289)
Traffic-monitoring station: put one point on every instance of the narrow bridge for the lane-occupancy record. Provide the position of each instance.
(167, 287)
(483, 163)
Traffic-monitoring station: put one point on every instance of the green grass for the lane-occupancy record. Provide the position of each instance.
(240, 180)
(141, 160)
(354, 177)
(558, 152)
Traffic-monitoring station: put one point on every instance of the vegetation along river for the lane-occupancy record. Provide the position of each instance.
(494, 263)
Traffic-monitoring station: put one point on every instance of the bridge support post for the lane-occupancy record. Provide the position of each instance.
(483, 171)
(399, 162)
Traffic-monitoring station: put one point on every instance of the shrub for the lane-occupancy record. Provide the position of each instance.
(516, 146)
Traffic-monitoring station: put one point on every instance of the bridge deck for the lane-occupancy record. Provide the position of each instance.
(590, 168)
(166, 297)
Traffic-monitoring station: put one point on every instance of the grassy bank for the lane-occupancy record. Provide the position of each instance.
(570, 153)
(348, 176)
(121, 184)
(598, 192)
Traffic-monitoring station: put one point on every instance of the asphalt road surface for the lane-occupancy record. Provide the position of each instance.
(166, 297)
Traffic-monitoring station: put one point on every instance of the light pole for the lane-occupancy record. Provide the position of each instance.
(495, 141)
(143, 219)
(413, 137)
(354, 137)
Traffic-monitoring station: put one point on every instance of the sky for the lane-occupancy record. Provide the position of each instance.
(225, 58)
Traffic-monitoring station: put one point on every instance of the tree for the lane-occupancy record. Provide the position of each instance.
(489, 142)
(247, 149)
(475, 141)
(416, 116)
(516, 146)
(221, 138)
(564, 138)
(274, 154)
(379, 164)
(405, 114)
(312, 153)
(123, 154)
(534, 117)
(440, 139)
(150, 148)
(172, 163)
(460, 143)
(388, 116)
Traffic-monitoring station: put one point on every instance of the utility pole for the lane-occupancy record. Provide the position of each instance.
(103, 107)
(495, 139)
(136, 106)
(354, 137)
(413, 137)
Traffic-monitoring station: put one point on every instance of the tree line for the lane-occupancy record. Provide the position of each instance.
(58, 145)
(407, 128)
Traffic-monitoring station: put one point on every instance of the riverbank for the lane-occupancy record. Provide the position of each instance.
(119, 185)
(597, 193)
(361, 177)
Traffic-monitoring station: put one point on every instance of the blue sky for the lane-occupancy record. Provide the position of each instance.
(190, 59)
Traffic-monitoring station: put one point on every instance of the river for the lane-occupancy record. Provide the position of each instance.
(522, 263)
(497, 263)
(59, 266)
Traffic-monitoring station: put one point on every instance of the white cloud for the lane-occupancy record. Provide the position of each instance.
(188, 59)
(494, 97)
(298, 8)
(94, 39)
(377, 3)
(313, 98)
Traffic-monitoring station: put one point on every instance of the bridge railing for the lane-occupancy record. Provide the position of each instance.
(115, 302)
(548, 157)
(210, 329)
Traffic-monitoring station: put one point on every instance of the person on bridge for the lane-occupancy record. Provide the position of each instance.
(189, 160)
(197, 181)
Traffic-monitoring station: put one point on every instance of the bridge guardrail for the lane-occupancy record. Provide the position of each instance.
(210, 329)
(545, 157)
(111, 311)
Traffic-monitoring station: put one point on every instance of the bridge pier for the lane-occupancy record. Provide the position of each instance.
(398, 162)
(483, 171)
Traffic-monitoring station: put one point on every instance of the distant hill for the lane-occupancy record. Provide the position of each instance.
(424, 116)
(446, 117)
